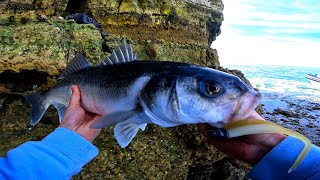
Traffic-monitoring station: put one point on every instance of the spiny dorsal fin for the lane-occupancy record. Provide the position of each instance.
(77, 63)
(121, 54)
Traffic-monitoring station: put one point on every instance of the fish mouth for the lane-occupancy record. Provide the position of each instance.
(246, 105)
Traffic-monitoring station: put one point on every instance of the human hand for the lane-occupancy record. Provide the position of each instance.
(77, 119)
(249, 149)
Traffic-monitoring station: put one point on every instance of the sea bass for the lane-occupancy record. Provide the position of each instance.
(131, 94)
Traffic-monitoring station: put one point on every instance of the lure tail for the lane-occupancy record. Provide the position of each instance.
(256, 126)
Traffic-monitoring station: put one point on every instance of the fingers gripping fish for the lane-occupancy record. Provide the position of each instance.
(131, 94)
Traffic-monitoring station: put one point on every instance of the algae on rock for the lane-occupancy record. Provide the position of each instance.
(46, 46)
(178, 29)
(187, 25)
(46, 7)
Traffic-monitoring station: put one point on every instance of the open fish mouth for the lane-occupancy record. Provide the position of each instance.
(246, 105)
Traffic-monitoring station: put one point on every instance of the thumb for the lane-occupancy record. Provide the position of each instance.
(75, 97)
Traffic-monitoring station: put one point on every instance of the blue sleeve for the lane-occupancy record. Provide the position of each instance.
(60, 155)
(276, 163)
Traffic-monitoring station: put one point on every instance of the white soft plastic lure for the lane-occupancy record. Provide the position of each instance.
(256, 126)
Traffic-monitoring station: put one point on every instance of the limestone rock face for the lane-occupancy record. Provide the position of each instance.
(46, 46)
(33, 45)
(36, 44)
(166, 30)
(46, 7)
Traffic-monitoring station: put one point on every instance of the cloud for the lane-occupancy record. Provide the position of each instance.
(274, 16)
(285, 32)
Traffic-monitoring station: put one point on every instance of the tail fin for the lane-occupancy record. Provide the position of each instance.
(38, 107)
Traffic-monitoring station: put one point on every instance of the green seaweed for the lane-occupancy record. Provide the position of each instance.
(7, 39)
(50, 43)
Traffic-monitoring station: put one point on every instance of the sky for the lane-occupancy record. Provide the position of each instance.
(276, 32)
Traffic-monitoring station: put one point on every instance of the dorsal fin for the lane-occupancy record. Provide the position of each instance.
(77, 63)
(121, 54)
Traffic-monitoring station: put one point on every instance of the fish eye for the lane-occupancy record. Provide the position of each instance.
(210, 88)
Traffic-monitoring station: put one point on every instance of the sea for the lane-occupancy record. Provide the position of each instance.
(282, 83)
(288, 98)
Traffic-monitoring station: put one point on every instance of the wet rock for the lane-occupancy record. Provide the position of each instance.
(295, 114)
(286, 113)
(214, 29)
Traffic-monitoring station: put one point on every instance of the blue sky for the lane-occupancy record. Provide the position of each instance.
(279, 32)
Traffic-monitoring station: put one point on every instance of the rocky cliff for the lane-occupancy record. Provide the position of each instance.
(36, 43)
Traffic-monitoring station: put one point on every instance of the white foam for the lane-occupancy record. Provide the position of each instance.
(291, 88)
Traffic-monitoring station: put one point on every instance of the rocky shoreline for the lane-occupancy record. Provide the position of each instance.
(298, 114)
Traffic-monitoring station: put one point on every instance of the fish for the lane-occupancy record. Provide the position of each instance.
(130, 94)
(257, 126)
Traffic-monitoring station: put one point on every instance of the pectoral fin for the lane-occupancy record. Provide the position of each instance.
(125, 131)
(114, 118)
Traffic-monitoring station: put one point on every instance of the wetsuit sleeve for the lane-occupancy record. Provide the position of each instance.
(60, 155)
(276, 163)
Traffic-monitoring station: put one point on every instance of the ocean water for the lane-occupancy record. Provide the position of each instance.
(282, 82)
(288, 98)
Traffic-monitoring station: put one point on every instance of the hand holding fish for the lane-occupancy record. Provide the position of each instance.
(249, 149)
(77, 119)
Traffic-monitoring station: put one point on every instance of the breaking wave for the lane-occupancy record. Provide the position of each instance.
(283, 81)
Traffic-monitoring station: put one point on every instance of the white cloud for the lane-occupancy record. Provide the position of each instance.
(285, 36)
(236, 50)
